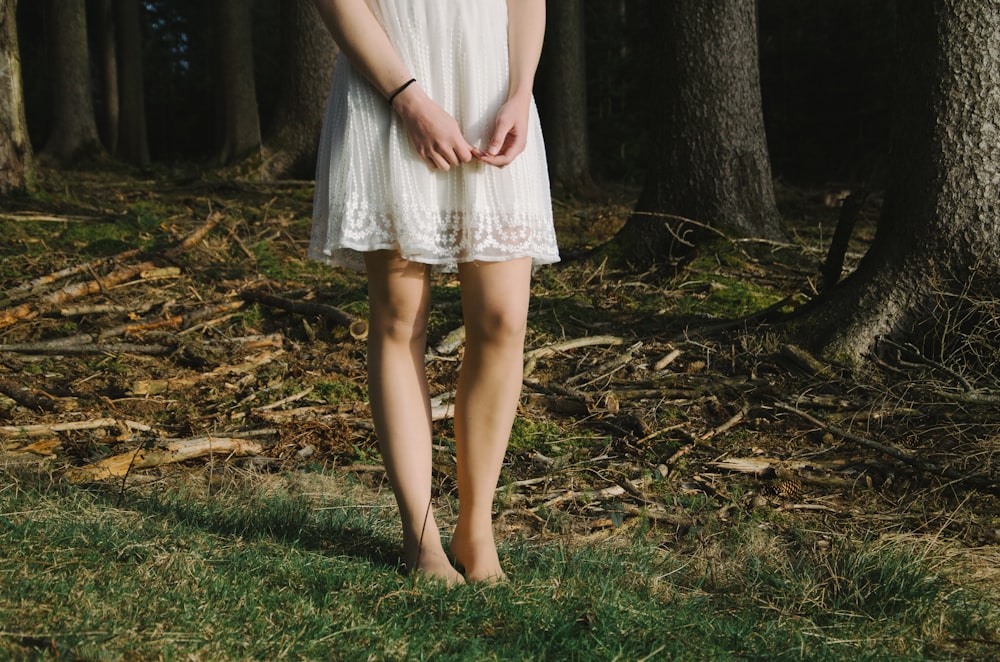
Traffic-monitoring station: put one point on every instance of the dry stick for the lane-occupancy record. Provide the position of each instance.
(977, 481)
(357, 328)
(74, 291)
(173, 321)
(531, 357)
(32, 217)
(157, 386)
(31, 398)
(50, 429)
(605, 369)
(171, 452)
(42, 349)
(27, 289)
(736, 418)
(672, 356)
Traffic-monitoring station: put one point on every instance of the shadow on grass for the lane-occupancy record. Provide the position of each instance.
(287, 519)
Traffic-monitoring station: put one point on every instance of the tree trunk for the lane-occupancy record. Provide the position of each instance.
(308, 53)
(74, 128)
(564, 96)
(939, 233)
(238, 91)
(709, 161)
(15, 148)
(133, 140)
(108, 67)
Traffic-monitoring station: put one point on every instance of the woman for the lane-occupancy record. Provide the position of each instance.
(431, 157)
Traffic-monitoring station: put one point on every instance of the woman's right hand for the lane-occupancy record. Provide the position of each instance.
(434, 133)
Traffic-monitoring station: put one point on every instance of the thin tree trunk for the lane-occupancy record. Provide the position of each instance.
(240, 119)
(108, 66)
(709, 161)
(308, 53)
(15, 148)
(133, 140)
(74, 128)
(564, 96)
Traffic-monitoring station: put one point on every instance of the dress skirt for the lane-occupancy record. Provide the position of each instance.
(373, 191)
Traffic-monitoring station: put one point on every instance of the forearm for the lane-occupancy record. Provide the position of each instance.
(363, 40)
(525, 32)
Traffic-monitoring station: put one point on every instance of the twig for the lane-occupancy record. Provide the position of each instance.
(79, 349)
(358, 328)
(531, 357)
(977, 481)
(52, 429)
(170, 452)
(667, 360)
(26, 289)
(736, 418)
(916, 354)
(605, 369)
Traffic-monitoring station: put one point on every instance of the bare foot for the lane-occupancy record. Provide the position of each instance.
(433, 564)
(478, 557)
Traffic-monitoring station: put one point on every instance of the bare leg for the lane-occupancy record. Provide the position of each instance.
(495, 307)
(399, 295)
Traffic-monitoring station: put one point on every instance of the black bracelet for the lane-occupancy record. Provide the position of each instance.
(399, 90)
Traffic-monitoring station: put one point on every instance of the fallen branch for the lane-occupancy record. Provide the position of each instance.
(27, 289)
(725, 427)
(171, 452)
(531, 357)
(357, 328)
(52, 429)
(159, 386)
(605, 369)
(82, 348)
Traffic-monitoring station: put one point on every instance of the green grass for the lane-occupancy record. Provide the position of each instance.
(269, 567)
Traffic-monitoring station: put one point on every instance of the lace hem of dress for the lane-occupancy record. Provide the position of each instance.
(441, 239)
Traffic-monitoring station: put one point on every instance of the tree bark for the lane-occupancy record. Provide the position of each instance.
(74, 127)
(939, 232)
(308, 53)
(564, 96)
(709, 161)
(15, 148)
(238, 91)
(133, 140)
(108, 66)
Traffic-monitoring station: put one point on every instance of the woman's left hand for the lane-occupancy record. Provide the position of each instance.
(510, 134)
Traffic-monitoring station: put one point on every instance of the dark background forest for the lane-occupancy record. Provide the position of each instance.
(827, 72)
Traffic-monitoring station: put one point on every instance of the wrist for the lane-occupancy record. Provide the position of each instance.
(519, 95)
(399, 90)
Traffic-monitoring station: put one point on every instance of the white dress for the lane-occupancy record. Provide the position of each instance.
(372, 189)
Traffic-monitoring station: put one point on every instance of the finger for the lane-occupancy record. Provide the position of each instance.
(437, 161)
(465, 152)
(500, 137)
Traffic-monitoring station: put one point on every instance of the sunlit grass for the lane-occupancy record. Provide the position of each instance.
(269, 567)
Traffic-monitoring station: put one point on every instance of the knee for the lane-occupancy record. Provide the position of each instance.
(504, 325)
(399, 325)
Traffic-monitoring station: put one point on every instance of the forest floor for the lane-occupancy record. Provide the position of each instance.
(136, 352)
